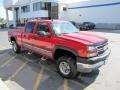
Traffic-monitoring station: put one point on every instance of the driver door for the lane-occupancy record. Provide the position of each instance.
(42, 43)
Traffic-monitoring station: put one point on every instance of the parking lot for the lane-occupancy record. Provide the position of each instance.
(26, 71)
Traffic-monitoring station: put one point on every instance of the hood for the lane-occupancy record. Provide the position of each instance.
(83, 37)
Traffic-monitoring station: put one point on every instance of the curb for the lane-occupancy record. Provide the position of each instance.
(3, 86)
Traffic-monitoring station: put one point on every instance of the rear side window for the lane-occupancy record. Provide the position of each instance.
(30, 27)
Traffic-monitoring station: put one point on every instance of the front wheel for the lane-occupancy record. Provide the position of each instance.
(15, 47)
(66, 67)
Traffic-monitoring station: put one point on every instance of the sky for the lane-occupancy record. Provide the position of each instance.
(3, 13)
(71, 1)
(1, 1)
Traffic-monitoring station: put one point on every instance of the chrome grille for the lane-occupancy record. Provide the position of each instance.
(102, 48)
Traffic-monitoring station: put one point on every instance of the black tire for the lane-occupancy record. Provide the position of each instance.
(71, 62)
(15, 47)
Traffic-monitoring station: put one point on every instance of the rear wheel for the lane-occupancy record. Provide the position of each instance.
(66, 67)
(15, 47)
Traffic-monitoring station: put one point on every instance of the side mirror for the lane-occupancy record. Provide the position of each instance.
(43, 33)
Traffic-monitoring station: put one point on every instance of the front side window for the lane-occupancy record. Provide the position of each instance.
(42, 26)
(30, 27)
(63, 28)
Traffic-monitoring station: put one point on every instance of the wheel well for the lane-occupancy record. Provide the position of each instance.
(12, 39)
(60, 52)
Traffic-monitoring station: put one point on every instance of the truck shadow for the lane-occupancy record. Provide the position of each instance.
(82, 80)
(54, 80)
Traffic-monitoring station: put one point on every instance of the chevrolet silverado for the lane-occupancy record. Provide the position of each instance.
(59, 41)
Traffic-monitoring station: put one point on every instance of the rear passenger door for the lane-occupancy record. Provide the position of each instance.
(28, 34)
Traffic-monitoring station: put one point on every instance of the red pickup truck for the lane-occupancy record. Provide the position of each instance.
(59, 41)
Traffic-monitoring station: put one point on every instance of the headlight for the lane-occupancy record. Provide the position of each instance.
(92, 51)
(91, 48)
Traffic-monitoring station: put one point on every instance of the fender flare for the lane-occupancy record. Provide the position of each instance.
(66, 49)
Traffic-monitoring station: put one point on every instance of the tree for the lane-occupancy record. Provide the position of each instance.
(2, 21)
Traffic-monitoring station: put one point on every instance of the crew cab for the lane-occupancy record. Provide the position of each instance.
(59, 41)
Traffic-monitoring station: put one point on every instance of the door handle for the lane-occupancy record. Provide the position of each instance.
(35, 38)
(24, 35)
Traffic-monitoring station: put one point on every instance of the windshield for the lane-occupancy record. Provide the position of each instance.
(63, 28)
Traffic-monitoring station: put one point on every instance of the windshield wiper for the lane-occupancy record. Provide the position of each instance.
(64, 33)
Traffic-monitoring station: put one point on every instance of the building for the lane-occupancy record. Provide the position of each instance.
(24, 10)
(105, 13)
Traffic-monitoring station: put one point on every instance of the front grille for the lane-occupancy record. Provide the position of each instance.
(102, 48)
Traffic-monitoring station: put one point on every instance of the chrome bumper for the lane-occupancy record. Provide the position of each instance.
(86, 67)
